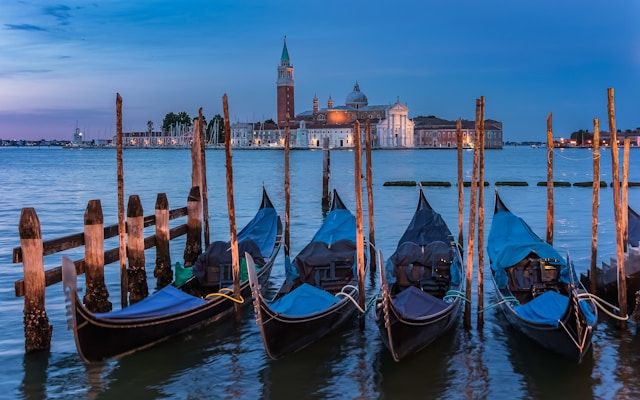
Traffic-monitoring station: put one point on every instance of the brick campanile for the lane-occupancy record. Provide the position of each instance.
(285, 99)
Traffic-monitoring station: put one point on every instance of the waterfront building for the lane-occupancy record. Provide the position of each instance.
(434, 132)
(179, 135)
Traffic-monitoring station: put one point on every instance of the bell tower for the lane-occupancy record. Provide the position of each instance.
(284, 84)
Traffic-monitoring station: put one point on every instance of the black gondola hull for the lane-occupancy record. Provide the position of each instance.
(98, 339)
(283, 335)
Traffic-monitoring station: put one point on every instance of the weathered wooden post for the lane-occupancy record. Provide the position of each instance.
(124, 286)
(369, 176)
(625, 192)
(193, 246)
(460, 184)
(596, 204)
(162, 271)
(359, 220)
(326, 161)
(137, 274)
(96, 298)
(622, 276)
(472, 222)
(287, 190)
(37, 331)
(550, 179)
(235, 260)
(203, 172)
(480, 320)
(196, 158)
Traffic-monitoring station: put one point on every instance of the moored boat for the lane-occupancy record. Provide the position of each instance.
(203, 299)
(537, 289)
(422, 299)
(320, 292)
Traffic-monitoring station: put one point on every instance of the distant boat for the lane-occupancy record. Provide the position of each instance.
(537, 290)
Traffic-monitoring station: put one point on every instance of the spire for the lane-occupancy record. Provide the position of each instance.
(356, 87)
(284, 59)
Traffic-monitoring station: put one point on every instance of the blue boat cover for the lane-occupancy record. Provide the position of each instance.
(262, 229)
(511, 240)
(167, 301)
(634, 228)
(340, 224)
(413, 303)
(546, 309)
(304, 300)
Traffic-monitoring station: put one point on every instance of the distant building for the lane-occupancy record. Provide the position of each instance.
(434, 132)
(179, 135)
(285, 87)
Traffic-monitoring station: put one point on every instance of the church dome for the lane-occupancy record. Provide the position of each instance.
(356, 99)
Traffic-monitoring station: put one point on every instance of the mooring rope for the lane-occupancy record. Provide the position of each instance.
(367, 306)
(455, 294)
(599, 303)
(505, 299)
(221, 293)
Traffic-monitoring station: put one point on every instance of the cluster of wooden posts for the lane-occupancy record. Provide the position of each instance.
(132, 242)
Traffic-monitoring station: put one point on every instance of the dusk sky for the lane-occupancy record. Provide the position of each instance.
(62, 62)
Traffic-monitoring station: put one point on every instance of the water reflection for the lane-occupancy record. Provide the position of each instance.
(34, 383)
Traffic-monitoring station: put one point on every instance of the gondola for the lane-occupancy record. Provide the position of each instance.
(607, 275)
(420, 301)
(537, 289)
(319, 294)
(202, 299)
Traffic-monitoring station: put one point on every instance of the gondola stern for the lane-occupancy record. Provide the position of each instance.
(337, 203)
(266, 201)
(423, 204)
(74, 308)
(499, 206)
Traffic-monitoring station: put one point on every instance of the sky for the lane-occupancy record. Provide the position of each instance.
(62, 62)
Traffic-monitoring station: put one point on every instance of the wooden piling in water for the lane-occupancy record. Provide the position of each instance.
(472, 221)
(235, 260)
(369, 178)
(625, 192)
(124, 286)
(480, 320)
(460, 184)
(196, 158)
(326, 161)
(357, 173)
(596, 204)
(287, 190)
(193, 246)
(162, 271)
(37, 331)
(203, 173)
(550, 179)
(622, 276)
(137, 274)
(96, 297)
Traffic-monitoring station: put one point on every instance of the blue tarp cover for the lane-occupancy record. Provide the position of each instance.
(166, 301)
(511, 240)
(304, 300)
(546, 309)
(340, 224)
(413, 303)
(262, 229)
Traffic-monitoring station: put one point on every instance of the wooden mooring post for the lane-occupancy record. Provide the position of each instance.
(162, 271)
(193, 246)
(37, 331)
(596, 204)
(203, 174)
(370, 209)
(550, 179)
(96, 297)
(235, 260)
(326, 161)
(460, 144)
(357, 173)
(287, 191)
(137, 274)
(480, 320)
(124, 286)
(472, 221)
(625, 191)
(622, 276)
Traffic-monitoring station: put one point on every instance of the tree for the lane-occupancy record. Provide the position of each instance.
(150, 126)
(172, 119)
(216, 123)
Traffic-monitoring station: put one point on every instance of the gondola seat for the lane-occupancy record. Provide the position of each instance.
(213, 267)
(413, 303)
(167, 301)
(304, 300)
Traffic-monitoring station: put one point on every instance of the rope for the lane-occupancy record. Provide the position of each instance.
(348, 296)
(599, 303)
(220, 293)
(455, 294)
(577, 159)
(505, 299)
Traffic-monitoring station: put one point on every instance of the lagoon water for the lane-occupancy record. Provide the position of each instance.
(227, 360)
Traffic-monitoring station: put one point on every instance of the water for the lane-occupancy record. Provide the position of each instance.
(227, 360)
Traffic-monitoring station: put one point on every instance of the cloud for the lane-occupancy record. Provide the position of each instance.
(60, 12)
(25, 27)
